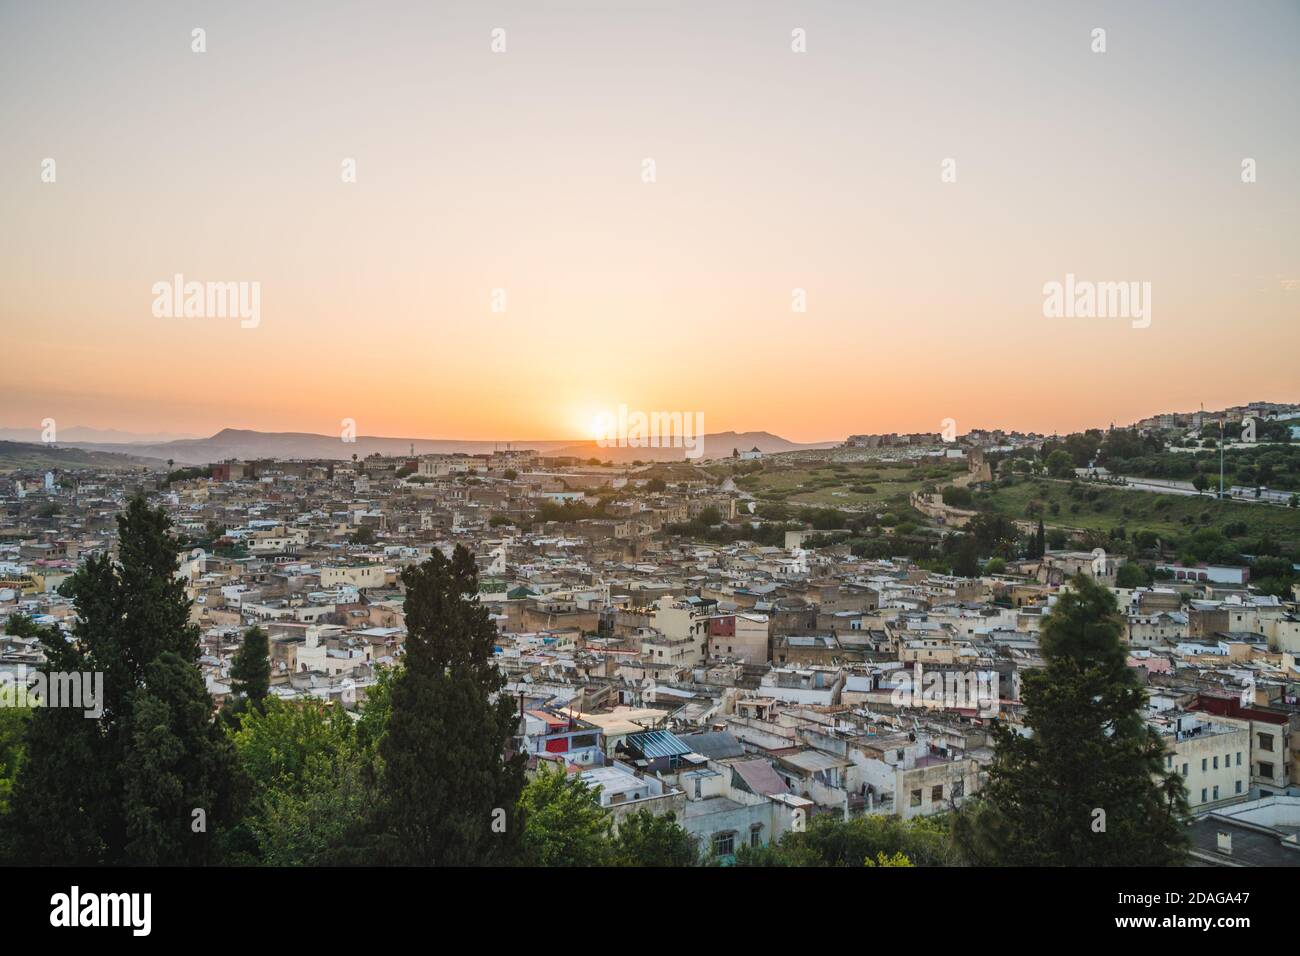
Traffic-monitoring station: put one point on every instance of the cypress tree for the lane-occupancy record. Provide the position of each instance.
(250, 674)
(1087, 785)
(123, 787)
(180, 774)
(449, 791)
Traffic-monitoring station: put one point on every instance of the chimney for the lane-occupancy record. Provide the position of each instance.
(1225, 842)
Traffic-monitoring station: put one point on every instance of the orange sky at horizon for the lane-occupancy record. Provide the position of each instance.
(523, 171)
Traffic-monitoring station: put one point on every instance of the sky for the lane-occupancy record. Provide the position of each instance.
(525, 171)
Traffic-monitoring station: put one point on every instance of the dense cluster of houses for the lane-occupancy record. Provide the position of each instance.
(744, 689)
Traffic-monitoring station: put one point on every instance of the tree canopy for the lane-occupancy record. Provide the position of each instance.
(1085, 785)
(153, 779)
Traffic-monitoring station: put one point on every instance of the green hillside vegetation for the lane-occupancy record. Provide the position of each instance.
(1099, 507)
(1275, 466)
(843, 484)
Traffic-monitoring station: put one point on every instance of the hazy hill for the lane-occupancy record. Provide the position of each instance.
(246, 443)
(17, 455)
(84, 434)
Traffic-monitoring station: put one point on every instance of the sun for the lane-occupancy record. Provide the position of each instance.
(601, 427)
(593, 422)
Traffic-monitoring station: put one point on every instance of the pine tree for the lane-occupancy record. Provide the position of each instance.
(250, 671)
(124, 788)
(179, 768)
(449, 791)
(1087, 785)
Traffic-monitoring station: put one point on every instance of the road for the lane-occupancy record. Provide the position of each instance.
(1170, 486)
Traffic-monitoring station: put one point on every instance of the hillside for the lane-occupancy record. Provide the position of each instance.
(35, 455)
(1096, 507)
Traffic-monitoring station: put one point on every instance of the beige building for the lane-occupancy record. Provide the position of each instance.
(1213, 758)
(744, 636)
(358, 576)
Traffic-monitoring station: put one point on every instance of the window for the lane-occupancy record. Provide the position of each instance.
(1184, 771)
(916, 798)
(936, 794)
(1216, 762)
(1238, 758)
(1239, 786)
(1266, 770)
(959, 789)
(724, 844)
(1216, 793)
(1203, 763)
(1266, 742)
(1169, 761)
(756, 835)
(1202, 794)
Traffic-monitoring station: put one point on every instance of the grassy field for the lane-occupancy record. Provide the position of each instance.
(827, 484)
(668, 471)
(1166, 515)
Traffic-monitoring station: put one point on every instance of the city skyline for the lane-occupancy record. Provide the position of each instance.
(89, 434)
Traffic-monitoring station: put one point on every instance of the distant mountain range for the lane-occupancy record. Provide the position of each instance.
(82, 433)
(245, 443)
